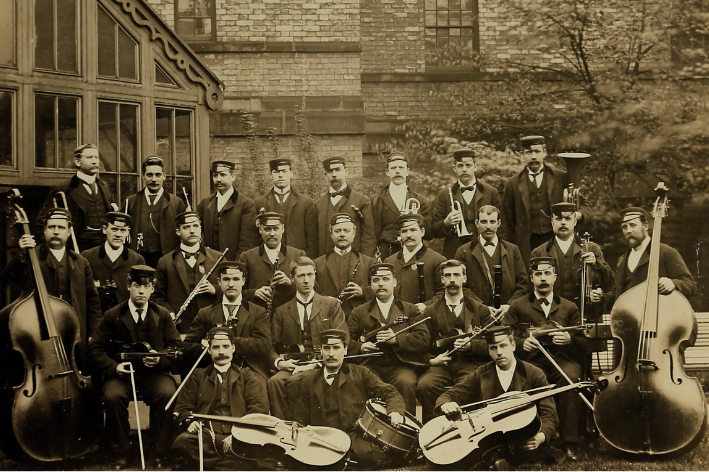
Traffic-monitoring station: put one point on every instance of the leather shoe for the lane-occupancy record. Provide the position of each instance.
(120, 464)
(571, 452)
(502, 464)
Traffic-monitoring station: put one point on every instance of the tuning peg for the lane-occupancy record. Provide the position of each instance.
(601, 384)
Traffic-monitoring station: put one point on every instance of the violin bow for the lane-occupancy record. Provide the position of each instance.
(137, 416)
(182, 384)
(200, 439)
(408, 328)
(495, 319)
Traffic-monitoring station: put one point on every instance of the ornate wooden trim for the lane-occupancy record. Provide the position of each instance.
(176, 50)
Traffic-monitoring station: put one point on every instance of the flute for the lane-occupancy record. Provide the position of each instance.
(194, 292)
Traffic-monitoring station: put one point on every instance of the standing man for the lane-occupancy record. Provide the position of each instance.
(153, 211)
(470, 195)
(111, 262)
(391, 202)
(180, 273)
(229, 217)
(569, 257)
(300, 321)
(566, 348)
(247, 322)
(87, 198)
(633, 265)
(335, 394)
(454, 311)
(133, 321)
(341, 198)
(417, 267)
(66, 274)
(300, 216)
(269, 263)
(405, 355)
(335, 270)
(484, 253)
(222, 389)
(528, 197)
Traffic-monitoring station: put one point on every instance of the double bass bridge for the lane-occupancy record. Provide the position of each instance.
(647, 364)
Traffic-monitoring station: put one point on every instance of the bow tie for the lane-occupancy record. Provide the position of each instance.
(489, 243)
(189, 255)
(330, 376)
(543, 301)
(337, 193)
(470, 188)
(534, 175)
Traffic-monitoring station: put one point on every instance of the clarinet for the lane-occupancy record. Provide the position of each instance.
(341, 297)
(497, 289)
(422, 282)
(269, 305)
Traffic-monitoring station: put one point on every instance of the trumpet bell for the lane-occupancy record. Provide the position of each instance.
(412, 206)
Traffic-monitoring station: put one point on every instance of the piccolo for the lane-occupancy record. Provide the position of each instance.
(194, 292)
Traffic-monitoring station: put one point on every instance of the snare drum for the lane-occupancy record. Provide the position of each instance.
(375, 425)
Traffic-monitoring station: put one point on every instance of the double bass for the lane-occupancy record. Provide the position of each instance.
(650, 405)
(49, 410)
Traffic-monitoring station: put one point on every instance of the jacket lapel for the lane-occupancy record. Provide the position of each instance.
(487, 382)
(127, 320)
(331, 266)
(181, 267)
(478, 254)
(320, 393)
(519, 383)
(242, 316)
(389, 202)
(549, 174)
(523, 184)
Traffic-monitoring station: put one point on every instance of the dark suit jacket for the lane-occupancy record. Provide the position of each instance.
(474, 314)
(601, 272)
(326, 313)
(407, 288)
(301, 220)
(412, 346)
(237, 227)
(326, 277)
(515, 283)
(528, 310)
(78, 214)
(364, 241)
(169, 205)
(261, 271)
(355, 385)
(480, 386)
(484, 195)
(104, 270)
(117, 325)
(253, 333)
(84, 296)
(386, 213)
(246, 392)
(172, 287)
(671, 265)
(516, 208)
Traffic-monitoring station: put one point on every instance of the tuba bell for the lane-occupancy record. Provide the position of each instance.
(574, 166)
(412, 206)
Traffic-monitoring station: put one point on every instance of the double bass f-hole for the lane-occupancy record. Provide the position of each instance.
(27, 393)
(678, 381)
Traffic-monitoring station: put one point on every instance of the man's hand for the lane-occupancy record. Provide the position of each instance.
(495, 312)
(421, 307)
(193, 427)
(279, 278)
(352, 290)
(227, 444)
(453, 218)
(665, 286)
(173, 315)
(204, 343)
(531, 344)
(151, 361)
(124, 368)
(460, 342)
(439, 360)
(397, 419)
(27, 241)
(205, 287)
(288, 365)
(304, 368)
(560, 338)
(596, 295)
(386, 334)
(368, 347)
(588, 257)
(451, 410)
(533, 443)
(264, 293)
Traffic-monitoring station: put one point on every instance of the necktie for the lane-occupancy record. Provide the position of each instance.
(543, 301)
(305, 307)
(232, 309)
(188, 255)
(282, 196)
(338, 193)
(140, 316)
(533, 176)
(452, 307)
(470, 188)
(489, 243)
(330, 376)
(153, 197)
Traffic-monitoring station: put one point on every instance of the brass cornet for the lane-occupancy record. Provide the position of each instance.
(460, 228)
(412, 206)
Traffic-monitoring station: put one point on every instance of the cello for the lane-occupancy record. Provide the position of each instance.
(650, 405)
(49, 410)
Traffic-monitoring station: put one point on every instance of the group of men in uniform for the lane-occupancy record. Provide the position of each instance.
(310, 288)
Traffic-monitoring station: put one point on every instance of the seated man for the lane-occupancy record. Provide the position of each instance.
(343, 389)
(136, 320)
(505, 374)
(221, 389)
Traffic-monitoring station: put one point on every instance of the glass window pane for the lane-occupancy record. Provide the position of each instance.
(106, 44)
(112, 181)
(170, 185)
(467, 5)
(185, 7)
(163, 137)
(185, 27)
(6, 127)
(127, 52)
(442, 4)
(186, 182)
(107, 136)
(442, 18)
(44, 34)
(66, 35)
(430, 4)
(430, 18)
(203, 27)
(455, 18)
(201, 8)
(455, 4)
(467, 18)
(44, 130)
(129, 186)
(129, 137)
(183, 142)
(68, 135)
(7, 32)
(161, 76)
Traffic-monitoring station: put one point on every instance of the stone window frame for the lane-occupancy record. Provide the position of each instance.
(212, 14)
(437, 20)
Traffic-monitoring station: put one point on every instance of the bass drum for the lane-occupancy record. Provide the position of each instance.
(375, 426)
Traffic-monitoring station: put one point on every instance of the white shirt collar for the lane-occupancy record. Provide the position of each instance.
(489, 249)
(344, 186)
(279, 191)
(58, 253)
(636, 253)
(113, 254)
(458, 304)
(134, 310)
(472, 183)
(385, 307)
(222, 199)
(401, 188)
(550, 298)
(272, 253)
(529, 171)
(340, 252)
(565, 245)
(87, 179)
(223, 368)
(307, 300)
(398, 194)
(408, 255)
(325, 373)
(159, 194)
(505, 376)
(191, 249)
(225, 300)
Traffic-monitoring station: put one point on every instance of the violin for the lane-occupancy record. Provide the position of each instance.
(542, 333)
(297, 352)
(52, 412)
(649, 384)
(122, 352)
(310, 445)
(508, 419)
(371, 336)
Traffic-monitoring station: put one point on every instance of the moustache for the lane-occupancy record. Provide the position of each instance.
(452, 285)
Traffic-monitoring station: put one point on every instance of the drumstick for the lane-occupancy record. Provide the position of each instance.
(401, 331)
(182, 384)
(200, 439)
(137, 417)
(548, 356)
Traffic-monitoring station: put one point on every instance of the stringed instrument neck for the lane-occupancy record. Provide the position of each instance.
(649, 325)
